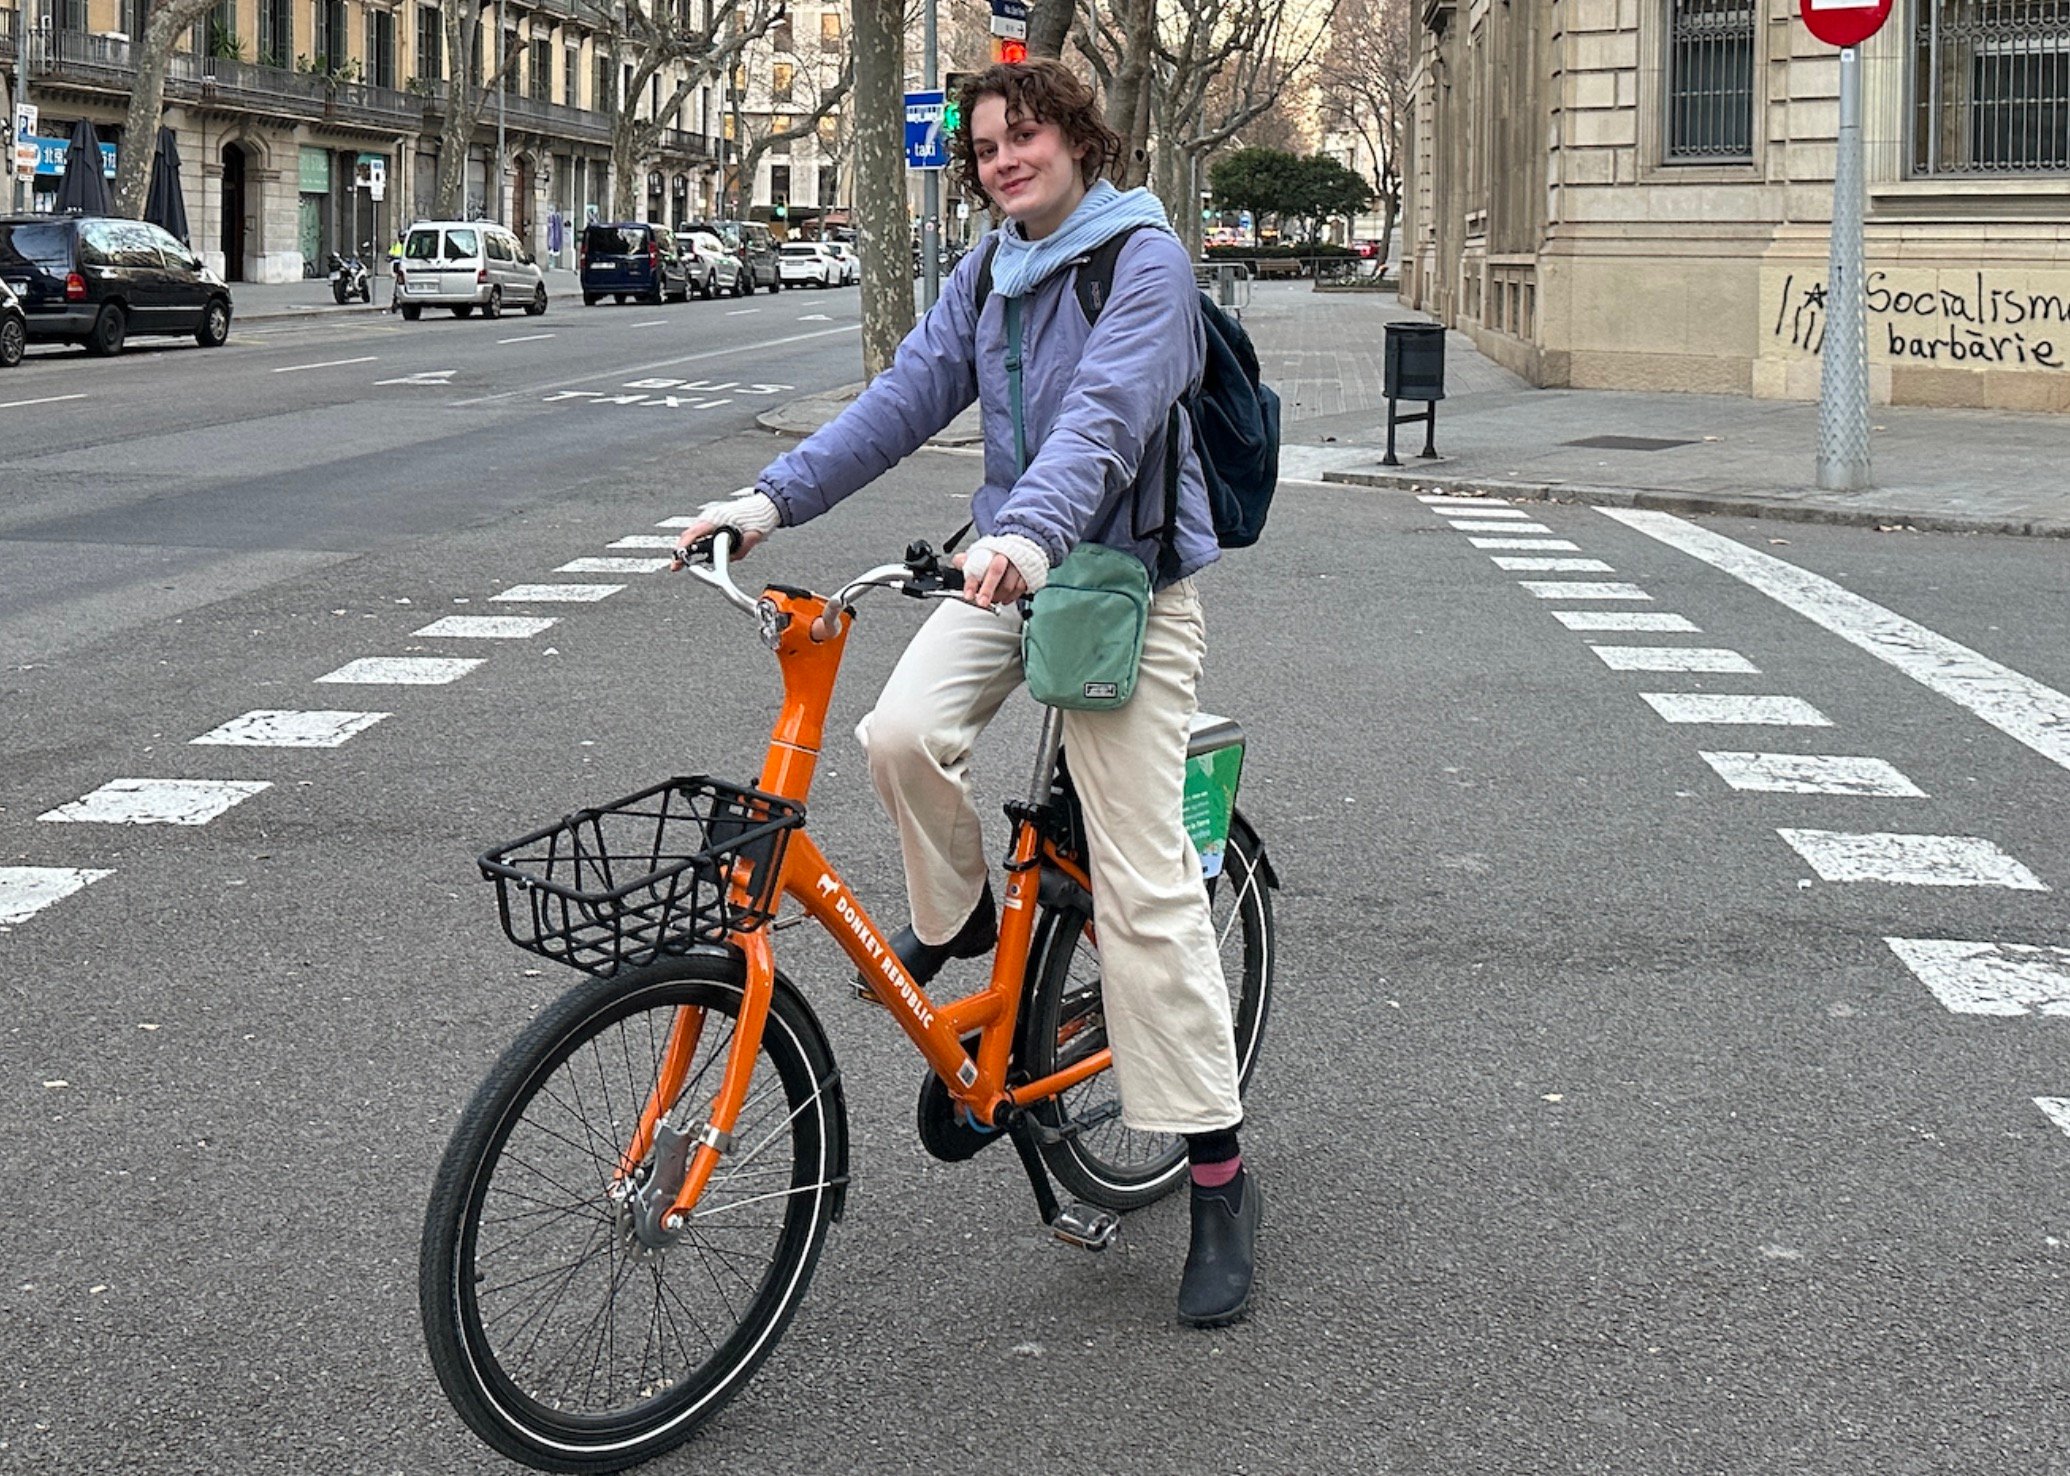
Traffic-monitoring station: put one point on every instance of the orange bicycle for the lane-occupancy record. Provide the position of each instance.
(631, 1207)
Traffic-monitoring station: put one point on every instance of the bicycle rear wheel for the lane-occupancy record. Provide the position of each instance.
(1102, 1160)
(563, 1341)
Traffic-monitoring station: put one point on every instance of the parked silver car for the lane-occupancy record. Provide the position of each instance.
(462, 265)
(714, 268)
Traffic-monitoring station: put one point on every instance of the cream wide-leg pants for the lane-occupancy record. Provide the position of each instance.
(1167, 1005)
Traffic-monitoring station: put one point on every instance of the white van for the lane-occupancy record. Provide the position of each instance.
(467, 264)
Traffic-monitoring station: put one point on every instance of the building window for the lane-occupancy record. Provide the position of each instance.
(779, 184)
(603, 94)
(329, 40)
(512, 59)
(571, 76)
(780, 123)
(1710, 101)
(781, 76)
(829, 30)
(277, 33)
(431, 43)
(1991, 87)
(135, 13)
(380, 64)
(780, 36)
(542, 68)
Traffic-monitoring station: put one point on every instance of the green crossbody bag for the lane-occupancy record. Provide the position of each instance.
(1083, 643)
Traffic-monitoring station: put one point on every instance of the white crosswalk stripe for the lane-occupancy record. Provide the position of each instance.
(1562, 589)
(598, 565)
(1990, 978)
(532, 594)
(1674, 658)
(643, 540)
(1812, 773)
(2058, 1110)
(488, 627)
(1493, 525)
(27, 890)
(403, 671)
(276, 728)
(157, 801)
(1553, 566)
(1910, 860)
(1525, 545)
(1709, 707)
(1653, 620)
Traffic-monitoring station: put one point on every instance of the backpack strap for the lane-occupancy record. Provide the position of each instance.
(984, 275)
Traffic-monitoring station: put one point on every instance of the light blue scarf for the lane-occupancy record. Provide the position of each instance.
(1019, 265)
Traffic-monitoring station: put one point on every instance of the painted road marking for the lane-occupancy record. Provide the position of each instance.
(488, 627)
(1624, 620)
(328, 364)
(613, 566)
(1496, 510)
(652, 323)
(443, 378)
(272, 728)
(45, 400)
(1544, 545)
(1910, 860)
(1990, 978)
(1560, 589)
(527, 338)
(1552, 566)
(2058, 1110)
(1440, 500)
(582, 594)
(682, 522)
(737, 312)
(2017, 706)
(1812, 773)
(27, 890)
(1496, 525)
(157, 801)
(1704, 707)
(1675, 658)
(645, 540)
(403, 671)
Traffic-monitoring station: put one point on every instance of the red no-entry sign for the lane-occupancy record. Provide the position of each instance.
(1844, 22)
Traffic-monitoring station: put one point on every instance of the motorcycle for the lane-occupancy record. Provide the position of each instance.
(350, 279)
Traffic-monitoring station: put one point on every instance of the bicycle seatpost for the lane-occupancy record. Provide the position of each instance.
(1043, 782)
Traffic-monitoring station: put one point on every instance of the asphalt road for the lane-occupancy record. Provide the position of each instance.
(1601, 1131)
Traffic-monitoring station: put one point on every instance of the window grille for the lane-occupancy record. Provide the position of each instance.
(1710, 93)
(1991, 87)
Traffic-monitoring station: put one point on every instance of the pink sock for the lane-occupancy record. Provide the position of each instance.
(1215, 1175)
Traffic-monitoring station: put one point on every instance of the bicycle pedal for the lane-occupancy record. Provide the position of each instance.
(864, 993)
(1085, 1227)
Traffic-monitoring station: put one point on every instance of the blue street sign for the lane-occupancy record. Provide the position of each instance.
(1010, 9)
(927, 146)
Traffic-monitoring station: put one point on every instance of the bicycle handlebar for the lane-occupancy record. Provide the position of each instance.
(921, 575)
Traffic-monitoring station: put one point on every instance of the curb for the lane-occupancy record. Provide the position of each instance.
(1748, 505)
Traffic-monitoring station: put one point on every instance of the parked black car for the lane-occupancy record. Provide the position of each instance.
(14, 328)
(98, 280)
(632, 258)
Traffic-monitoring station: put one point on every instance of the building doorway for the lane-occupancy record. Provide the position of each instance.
(233, 213)
(521, 201)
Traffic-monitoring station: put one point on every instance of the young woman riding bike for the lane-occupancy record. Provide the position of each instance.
(1094, 411)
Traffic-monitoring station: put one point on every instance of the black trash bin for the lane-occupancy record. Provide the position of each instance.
(1413, 368)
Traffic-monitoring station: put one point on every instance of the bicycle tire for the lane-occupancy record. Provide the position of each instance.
(1104, 1161)
(558, 1340)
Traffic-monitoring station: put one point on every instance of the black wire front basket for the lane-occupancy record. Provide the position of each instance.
(655, 873)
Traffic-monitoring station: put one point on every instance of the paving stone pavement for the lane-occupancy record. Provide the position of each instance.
(1960, 470)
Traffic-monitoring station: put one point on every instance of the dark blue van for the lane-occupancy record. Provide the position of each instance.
(632, 259)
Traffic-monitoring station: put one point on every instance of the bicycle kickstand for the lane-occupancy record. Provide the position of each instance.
(1075, 1224)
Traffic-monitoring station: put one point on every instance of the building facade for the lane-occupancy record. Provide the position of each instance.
(308, 126)
(1638, 193)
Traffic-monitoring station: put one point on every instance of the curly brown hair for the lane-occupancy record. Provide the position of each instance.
(1046, 90)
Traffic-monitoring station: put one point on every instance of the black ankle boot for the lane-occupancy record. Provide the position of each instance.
(1221, 1258)
(977, 935)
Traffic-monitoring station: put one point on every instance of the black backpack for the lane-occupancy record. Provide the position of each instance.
(1235, 416)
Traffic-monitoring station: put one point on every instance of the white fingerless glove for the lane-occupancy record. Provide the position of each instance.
(747, 510)
(1025, 554)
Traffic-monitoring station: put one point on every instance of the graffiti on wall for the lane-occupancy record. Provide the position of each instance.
(1976, 324)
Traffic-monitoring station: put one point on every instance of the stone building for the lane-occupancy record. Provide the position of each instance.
(291, 115)
(1637, 194)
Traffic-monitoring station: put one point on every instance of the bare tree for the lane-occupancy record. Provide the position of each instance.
(169, 20)
(882, 228)
(1049, 26)
(467, 98)
(756, 142)
(1223, 64)
(1365, 92)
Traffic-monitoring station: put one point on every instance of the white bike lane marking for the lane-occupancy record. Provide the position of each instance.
(327, 364)
(44, 400)
(1980, 977)
(27, 890)
(658, 365)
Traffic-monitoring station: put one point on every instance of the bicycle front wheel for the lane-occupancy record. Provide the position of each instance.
(1101, 1159)
(561, 1339)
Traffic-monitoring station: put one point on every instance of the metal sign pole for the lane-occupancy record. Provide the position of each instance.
(931, 179)
(1843, 400)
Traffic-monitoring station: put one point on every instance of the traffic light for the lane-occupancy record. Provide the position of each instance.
(1005, 49)
(952, 99)
(781, 210)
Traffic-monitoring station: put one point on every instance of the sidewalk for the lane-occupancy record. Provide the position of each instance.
(257, 302)
(1955, 470)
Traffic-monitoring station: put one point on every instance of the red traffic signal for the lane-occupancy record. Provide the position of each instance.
(1007, 50)
(1844, 22)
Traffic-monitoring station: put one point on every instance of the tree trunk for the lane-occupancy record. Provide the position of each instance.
(456, 130)
(147, 102)
(626, 148)
(883, 227)
(1049, 26)
(1128, 103)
